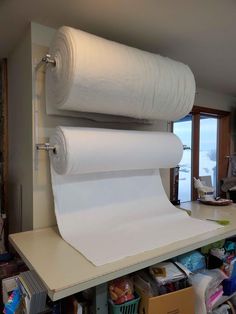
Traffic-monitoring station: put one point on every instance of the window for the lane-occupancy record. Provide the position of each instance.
(183, 128)
(205, 137)
(208, 148)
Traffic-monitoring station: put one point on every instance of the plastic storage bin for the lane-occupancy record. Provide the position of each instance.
(130, 307)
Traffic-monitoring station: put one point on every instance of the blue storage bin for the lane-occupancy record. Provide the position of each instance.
(229, 285)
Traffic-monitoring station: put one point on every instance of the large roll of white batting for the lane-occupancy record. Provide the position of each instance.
(96, 75)
(91, 150)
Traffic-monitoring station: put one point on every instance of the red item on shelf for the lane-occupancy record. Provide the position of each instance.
(121, 290)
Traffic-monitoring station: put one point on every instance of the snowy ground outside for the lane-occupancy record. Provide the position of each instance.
(207, 167)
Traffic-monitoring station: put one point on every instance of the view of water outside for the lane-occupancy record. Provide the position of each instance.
(207, 152)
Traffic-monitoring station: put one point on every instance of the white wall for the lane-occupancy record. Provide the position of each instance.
(20, 136)
(206, 98)
(210, 99)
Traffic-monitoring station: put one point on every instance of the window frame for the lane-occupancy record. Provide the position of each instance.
(223, 145)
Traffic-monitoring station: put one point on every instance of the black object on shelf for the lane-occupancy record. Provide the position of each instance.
(176, 202)
(232, 196)
(175, 187)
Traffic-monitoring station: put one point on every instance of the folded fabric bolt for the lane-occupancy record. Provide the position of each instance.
(200, 284)
(206, 249)
(223, 309)
(220, 253)
(194, 261)
(215, 297)
(206, 284)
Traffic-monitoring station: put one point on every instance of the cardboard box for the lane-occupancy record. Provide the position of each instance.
(178, 302)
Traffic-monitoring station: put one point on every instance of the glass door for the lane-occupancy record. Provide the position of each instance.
(208, 149)
(205, 148)
(183, 129)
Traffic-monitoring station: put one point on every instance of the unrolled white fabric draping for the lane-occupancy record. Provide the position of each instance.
(96, 75)
(108, 195)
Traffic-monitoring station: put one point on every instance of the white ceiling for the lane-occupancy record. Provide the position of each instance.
(201, 33)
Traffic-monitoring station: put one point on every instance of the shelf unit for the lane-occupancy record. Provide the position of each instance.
(72, 272)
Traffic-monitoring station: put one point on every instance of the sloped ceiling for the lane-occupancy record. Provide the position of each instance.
(201, 33)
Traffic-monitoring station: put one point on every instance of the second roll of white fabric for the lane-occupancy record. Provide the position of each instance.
(109, 202)
(96, 75)
(89, 150)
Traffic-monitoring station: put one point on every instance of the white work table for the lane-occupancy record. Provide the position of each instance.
(65, 271)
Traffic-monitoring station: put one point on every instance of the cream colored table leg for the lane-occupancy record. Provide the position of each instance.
(100, 299)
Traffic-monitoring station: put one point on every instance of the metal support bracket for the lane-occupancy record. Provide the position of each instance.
(49, 60)
(47, 147)
(100, 300)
